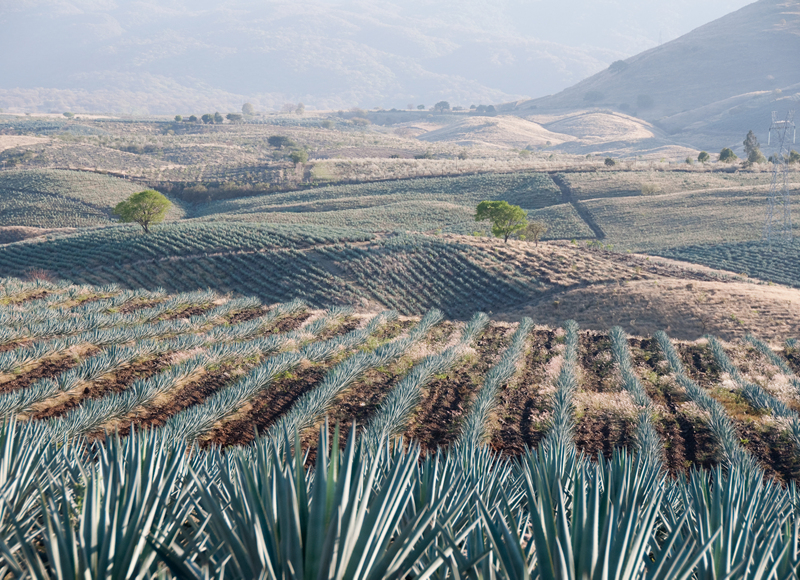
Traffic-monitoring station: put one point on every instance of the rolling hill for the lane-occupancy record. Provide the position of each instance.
(717, 81)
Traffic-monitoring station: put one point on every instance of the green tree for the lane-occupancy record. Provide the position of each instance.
(69, 115)
(534, 231)
(421, 107)
(178, 119)
(610, 162)
(704, 157)
(794, 156)
(299, 156)
(234, 117)
(727, 155)
(218, 118)
(752, 149)
(280, 141)
(193, 118)
(208, 118)
(301, 109)
(248, 110)
(145, 208)
(506, 218)
(441, 106)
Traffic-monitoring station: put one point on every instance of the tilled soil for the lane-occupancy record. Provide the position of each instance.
(115, 383)
(602, 432)
(267, 407)
(793, 358)
(290, 323)
(597, 363)
(773, 449)
(247, 315)
(140, 305)
(47, 369)
(520, 402)
(438, 417)
(699, 364)
(347, 325)
(186, 313)
(687, 440)
(192, 393)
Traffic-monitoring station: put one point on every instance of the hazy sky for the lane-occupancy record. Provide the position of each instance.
(329, 53)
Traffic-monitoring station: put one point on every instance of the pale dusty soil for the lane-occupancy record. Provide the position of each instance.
(685, 309)
(11, 141)
(501, 130)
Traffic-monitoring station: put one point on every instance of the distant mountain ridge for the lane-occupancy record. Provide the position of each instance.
(706, 87)
(166, 56)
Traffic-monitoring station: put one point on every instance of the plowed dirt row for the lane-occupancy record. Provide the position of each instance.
(597, 363)
(115, 383)
(520, 418)
(687, 440)
(268, 407)
(247, 315)
(190, 394)
(49, 368)
(766, 441)
(437, 419)
(281, 395)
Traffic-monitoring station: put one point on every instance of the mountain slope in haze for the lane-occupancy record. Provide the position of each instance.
(715, 82)
(168, 55)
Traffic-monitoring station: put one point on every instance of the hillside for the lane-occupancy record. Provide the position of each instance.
(717, 81)
(186, 364)
(163, 57)
(413, 273)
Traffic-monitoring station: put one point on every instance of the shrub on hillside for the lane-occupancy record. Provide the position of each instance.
(610, 162)
(727, 155)
(703, 157)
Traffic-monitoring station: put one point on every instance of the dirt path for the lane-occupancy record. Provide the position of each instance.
(585, 215)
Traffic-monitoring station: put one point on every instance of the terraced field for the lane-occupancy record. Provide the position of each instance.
(83, 359)
(63, 199)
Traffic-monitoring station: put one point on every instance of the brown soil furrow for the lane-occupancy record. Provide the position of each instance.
(519, 420)
(687, 440)
(699, 364)
(438, 416)
(112, 383)
(601, 431)
(267, 407)
(598, 369)
(247, 315)
(186, 313)
(138, 305)
(46, 368)
(773, 448)
(192, 393)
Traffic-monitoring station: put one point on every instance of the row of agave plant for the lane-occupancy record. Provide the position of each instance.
(116, 357)
(143, 507)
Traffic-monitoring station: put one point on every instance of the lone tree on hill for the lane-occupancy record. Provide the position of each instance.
(248, 109)
(703, 157)
(144, 208)
(727, 155)
(534, 231)
(441, 106)
(752, 149)
(506, 218)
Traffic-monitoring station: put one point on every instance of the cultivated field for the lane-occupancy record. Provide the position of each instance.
(498, 411)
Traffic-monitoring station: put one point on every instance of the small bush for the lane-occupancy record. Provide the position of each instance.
(704, 157)
(727, 155)
(610, 162)
(649, 189)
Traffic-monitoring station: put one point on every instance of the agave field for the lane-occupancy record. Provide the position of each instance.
(772, 263)
(194, 435)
